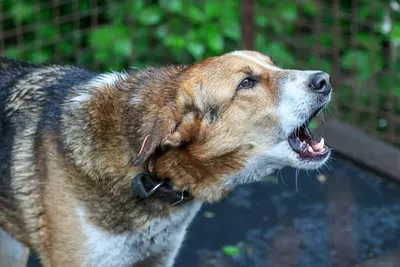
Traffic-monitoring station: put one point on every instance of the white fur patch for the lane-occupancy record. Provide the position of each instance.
(245, 55)
(296, 103)
(297, 100)
(161, 236)
(99, 81)
(276, 157)
(135, 100)
(81, 98)
(106, 79)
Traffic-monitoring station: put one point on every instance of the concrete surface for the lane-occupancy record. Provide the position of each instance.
(362, 148)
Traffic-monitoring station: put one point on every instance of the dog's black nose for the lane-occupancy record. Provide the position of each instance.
(320, 82)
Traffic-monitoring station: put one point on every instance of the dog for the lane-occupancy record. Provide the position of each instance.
(110, 169)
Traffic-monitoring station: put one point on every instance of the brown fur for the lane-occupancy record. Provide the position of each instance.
(200, 130)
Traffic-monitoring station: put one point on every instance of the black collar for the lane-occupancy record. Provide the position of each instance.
(145, 185)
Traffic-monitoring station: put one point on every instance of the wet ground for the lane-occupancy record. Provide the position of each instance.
(338, 217)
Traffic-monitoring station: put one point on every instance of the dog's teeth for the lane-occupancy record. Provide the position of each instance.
(320, 145)
(309, 148)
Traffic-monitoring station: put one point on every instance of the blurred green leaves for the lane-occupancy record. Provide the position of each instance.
(150, 16)
(110, 41)
(140, 32)
(22, 11)
(233, 250)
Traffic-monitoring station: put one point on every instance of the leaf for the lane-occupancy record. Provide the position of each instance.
(21, 11)
(176, 42)
(123, 47)
(105, 39)
(213, 9)
(289, 12)
(231, 29)
(280, 54)
(40, 56)
(231, 250)
(352, 60)
(397, 91)
(84, 5)
(196, 49)
(368, 41)
(309, 7)
(261, 43)
(150, 16)
(230, 12)
(48, 31)
(261, 20)
(313, 124)
(137, 6)
(174, 6)
(64, 48)
(320, 63)
(395, 33)
(102, 56)
(161, 31)
(195, 14)
(215, 40)
(13, 52)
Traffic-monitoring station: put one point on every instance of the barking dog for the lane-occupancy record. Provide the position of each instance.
(109, 170)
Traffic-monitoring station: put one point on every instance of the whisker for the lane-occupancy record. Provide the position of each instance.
(297, 178)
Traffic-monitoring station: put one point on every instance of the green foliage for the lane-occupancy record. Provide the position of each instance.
(232, 250)
(141, 32)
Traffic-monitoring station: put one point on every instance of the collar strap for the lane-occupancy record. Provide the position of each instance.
(145, 185)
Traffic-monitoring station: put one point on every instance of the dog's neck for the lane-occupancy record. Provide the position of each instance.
(184, 169)
(121, 115)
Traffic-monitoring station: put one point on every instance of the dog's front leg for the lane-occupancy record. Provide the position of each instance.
(166, 257)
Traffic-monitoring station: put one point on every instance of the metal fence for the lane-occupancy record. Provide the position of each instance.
(354, 40)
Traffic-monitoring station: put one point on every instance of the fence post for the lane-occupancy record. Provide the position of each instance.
(247, 23)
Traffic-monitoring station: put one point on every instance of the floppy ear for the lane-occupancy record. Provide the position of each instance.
(169, 131)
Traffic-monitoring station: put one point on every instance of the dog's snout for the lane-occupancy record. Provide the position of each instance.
(320, 82)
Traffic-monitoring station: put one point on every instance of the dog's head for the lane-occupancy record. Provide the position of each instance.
(236, 118)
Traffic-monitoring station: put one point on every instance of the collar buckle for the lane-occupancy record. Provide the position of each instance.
(154, 189)
(145, 184)
(180, 200)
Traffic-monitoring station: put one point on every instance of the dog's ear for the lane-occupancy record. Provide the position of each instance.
(170, 131)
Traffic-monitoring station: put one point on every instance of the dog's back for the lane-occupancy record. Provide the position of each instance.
(30, 100)
(28, 94)
(11, 69)
(12, 252)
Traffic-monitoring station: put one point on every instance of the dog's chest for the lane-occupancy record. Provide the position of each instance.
(162, 235)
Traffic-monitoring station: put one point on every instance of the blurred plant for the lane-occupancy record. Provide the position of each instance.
(140, 32)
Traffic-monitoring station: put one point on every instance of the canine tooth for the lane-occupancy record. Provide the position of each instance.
(322, 142)
(309, 148)
(319, 146)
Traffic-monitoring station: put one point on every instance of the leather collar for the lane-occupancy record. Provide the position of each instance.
(146, 184)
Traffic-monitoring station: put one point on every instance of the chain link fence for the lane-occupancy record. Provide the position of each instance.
(356, 41)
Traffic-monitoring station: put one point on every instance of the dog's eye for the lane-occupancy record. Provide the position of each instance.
(247, 83)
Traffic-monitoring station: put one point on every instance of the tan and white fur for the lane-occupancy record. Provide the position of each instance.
(71, 140)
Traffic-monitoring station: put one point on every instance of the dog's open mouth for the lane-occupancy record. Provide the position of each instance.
(303, 143)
